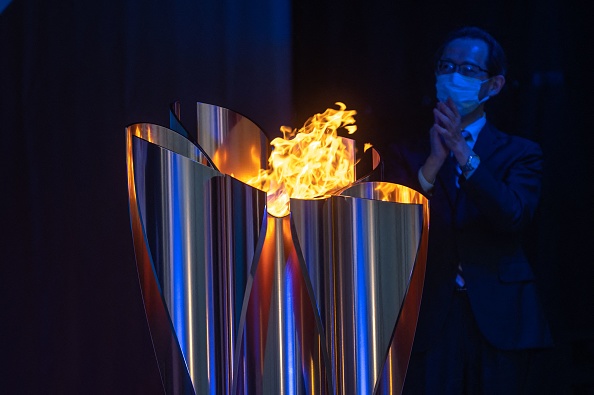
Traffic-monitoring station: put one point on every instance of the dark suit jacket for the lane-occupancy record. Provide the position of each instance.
(480, 225)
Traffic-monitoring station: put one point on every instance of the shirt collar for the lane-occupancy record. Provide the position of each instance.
(475, 128)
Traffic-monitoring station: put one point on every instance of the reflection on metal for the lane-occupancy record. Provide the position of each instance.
(237, 145)
(174, 374)
(282, 350)
(308, 217)
(322, 301)
(235, 214)
(389, 246)
(198, 230)
(175, 124)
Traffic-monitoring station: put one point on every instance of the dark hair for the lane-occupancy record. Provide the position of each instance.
(496, 61)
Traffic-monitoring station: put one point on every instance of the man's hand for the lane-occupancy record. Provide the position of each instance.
(447, 123)
(439, 153)
(448, 126)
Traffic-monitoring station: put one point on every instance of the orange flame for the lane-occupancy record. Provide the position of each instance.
(308, 163)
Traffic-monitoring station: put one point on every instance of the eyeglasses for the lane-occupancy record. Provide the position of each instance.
(467, 69)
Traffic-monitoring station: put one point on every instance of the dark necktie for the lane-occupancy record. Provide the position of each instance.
(460, 283)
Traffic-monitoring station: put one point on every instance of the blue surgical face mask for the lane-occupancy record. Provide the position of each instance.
(463, 90)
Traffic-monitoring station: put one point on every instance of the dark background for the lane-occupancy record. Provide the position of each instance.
(74, 74)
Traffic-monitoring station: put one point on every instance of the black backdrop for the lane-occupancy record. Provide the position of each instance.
(74, 74)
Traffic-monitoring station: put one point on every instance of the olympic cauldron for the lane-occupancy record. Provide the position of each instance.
(324, 300)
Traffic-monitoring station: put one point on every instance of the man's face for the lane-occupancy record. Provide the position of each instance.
(471, 51)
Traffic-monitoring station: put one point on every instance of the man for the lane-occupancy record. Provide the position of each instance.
(480, 317)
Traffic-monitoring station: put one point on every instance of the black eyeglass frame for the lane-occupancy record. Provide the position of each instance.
(456, 68)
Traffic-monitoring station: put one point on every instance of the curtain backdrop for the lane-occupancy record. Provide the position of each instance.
(73, 75)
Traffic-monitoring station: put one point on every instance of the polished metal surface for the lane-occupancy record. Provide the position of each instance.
(372, 257)
(282, 348)
(324, 300)
(166, 138)
(235, 213)
(360, 250)
(310, 228)
(176, 125)
(236, 145)
(173, 370)
(388, 254)
(198, 230)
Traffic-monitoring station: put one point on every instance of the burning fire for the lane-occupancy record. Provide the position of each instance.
(308, 163)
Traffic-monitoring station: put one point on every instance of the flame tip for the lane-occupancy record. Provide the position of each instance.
(308, 163)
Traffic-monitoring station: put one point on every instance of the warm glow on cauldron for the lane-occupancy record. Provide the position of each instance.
(308, 163)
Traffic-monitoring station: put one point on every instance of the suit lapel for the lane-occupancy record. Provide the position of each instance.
(487, 142)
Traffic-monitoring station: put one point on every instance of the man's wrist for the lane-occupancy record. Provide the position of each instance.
(433, 162)
(462, 154)
(471, 164)
(426, 185)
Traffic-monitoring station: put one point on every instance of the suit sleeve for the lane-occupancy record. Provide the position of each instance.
(506, 189)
